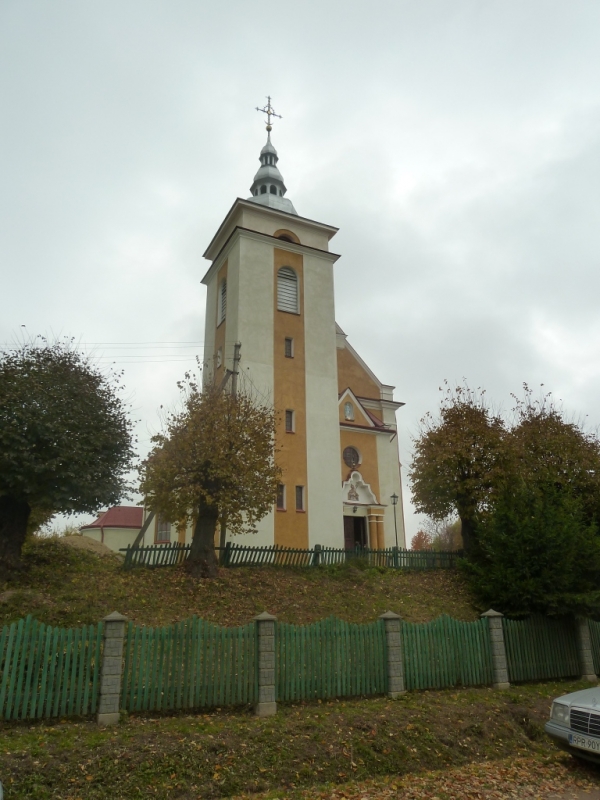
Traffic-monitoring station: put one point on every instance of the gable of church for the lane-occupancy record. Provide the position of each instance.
(353, 372)
(352, 411)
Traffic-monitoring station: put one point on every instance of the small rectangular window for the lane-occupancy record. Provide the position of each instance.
(299, 498)
(163, 530)
(289, 348)
(281, 497)
(289, 421)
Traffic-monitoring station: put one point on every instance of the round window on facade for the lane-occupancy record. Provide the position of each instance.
(351, 457)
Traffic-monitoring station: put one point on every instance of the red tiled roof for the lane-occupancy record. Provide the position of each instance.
(119, 517)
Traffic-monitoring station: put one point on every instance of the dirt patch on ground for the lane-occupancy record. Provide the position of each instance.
(89, 545)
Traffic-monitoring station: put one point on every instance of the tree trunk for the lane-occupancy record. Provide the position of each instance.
(14, 516)
(202, 561)
(467, 530)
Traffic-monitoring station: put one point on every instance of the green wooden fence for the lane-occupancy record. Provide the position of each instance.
(188, 665)
(445, 653)
(595, 637)
(237, 555)
(330, 658)
(157, 555)
(48, 672)
(540, 648)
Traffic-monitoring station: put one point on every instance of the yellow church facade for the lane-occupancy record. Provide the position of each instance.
(270, 318)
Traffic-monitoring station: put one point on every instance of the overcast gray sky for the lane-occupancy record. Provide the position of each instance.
(455, 143)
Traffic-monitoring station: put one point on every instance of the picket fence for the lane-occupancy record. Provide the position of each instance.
(446, 652)
(595, 639)
(48, 672)
(191, 664)
(236, 555)
(330, 658)
(539, 648)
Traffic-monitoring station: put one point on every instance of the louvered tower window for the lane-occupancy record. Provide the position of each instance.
(222, 300)
(287, 290)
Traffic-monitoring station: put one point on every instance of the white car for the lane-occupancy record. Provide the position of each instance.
(575, 723)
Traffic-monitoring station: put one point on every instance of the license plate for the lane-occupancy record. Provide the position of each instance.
(584, 742)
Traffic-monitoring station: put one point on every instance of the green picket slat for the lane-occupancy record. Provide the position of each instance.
(203, 678)
(212, 649)
(146, 662)
(71, 674)
(37, 710)
(86, 669)
(30, 657)
(18, 668)
(57, 673)
(64, 693)
(49, 695)
(595, 639)
(80, 671)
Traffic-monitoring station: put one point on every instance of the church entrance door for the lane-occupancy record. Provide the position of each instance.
(355, 532)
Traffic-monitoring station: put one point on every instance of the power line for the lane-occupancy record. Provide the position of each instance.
(126, 344)
(182, 356)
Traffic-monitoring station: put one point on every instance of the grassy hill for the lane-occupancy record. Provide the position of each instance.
(308, 750)
(65, 586)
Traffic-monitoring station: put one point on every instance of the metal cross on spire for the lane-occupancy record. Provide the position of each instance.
(268, 110)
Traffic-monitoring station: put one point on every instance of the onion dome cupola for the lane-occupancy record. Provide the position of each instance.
(268, 187)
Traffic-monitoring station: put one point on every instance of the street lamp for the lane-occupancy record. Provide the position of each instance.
(394, 499)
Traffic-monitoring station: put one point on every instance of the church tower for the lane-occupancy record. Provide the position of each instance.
(270, 289)
(270, 302)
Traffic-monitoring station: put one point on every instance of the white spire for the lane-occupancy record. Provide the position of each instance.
(268, 187)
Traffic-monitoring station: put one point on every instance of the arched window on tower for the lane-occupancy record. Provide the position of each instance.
(287, 290)
(273, 189)
(263, 189)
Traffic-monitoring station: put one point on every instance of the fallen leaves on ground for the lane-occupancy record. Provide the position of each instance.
(522, 778)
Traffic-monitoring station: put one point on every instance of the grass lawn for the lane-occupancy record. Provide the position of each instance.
(319, 745)
(306, 748)
(65, 586)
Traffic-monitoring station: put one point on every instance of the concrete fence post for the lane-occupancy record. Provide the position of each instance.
(316, 555)
(395, 662)
(499, 663)
(584, 651)
(111, 669)
(265, 638)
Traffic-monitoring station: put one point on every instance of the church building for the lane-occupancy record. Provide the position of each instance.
(270, 317)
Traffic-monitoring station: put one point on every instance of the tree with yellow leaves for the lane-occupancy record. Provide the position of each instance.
(214, 463)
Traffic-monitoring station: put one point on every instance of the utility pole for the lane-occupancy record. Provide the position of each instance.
(234, 381)
(236, 363)
(394, 499)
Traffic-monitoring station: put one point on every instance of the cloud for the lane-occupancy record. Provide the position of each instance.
(454, 144)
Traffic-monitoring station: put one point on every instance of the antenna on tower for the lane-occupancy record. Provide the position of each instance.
(269, 111)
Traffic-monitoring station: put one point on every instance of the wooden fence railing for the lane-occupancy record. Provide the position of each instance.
(188, 665)
(237, 555)
(330, 658)
(540, 648)
(446, 652)
(48, 672)
(595, 641)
